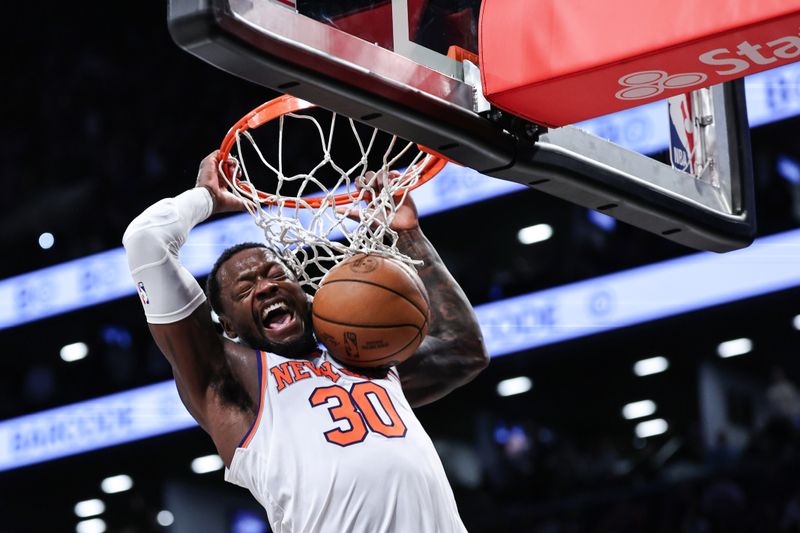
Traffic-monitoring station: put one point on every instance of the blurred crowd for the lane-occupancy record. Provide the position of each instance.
(536, 480)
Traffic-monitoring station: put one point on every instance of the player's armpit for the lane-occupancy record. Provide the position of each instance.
(196, 353)
(211, 389)
(453, 353)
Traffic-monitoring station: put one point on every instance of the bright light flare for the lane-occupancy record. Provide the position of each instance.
(115, 484)
(74, 352)
(46, 240)
(95, 525)
(89, 508)
(534, 234)
(735, 347)
(518, 385)
(652, 365)
(207, 463)
(165, 518)
(638, 409)
(651, 428)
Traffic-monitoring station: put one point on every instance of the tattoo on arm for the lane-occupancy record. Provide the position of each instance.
(453, 352)
(450, 309)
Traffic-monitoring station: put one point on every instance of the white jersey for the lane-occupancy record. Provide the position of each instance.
(333, 451)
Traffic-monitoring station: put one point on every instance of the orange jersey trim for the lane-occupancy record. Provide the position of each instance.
(262, 385)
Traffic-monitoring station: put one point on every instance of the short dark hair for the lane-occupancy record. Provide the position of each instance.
(212, 283)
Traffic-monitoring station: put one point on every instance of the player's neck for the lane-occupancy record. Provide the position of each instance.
(303, 348)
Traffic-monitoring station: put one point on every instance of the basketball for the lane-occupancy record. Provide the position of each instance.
(371, 311)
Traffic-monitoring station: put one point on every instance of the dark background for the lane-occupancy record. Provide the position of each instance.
(102, 115)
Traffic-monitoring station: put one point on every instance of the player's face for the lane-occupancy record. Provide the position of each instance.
(263, 305)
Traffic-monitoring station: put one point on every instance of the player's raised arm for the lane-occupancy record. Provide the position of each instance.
(174, 303)
(453, 353)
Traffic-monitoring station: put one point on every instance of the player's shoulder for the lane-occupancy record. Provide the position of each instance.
(242, 366)
(238, 351)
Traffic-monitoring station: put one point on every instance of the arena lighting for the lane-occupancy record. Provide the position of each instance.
(115, 484)
(512, 386)
(601, 220)
(796, 322)
(734, 347)
(88, 508)
(165, 518)
(207, 463)
(788, 168)
(74, 352)
(652, 365)
(509, 326)
(534, 234)
(248, 521)
(46, 240)
(651, 428)
(638, 409)
(95, 525)
(640, 295)
(553, 315)
(92, 424)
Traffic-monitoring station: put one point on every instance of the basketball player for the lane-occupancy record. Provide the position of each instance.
(322, 447)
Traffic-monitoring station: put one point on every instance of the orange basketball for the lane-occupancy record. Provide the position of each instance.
(371, 311)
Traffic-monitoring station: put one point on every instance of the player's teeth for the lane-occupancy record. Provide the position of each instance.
(273, 307)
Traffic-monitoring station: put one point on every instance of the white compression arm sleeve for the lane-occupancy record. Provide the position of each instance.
(168, 291)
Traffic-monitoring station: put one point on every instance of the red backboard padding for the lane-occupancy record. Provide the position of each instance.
(558, 62)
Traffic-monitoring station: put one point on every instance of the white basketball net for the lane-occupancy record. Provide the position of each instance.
(303, 235)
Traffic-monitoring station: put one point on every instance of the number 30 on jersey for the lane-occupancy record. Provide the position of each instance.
(360, 409)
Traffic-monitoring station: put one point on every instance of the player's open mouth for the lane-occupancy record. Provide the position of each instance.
(276, 316)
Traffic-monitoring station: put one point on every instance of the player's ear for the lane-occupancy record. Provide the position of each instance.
(227, 327)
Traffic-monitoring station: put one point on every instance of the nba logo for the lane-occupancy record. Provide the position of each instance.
(142, 293)
(351, 344)
(681, 133)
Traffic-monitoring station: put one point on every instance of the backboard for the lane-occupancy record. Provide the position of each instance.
(385, 63)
